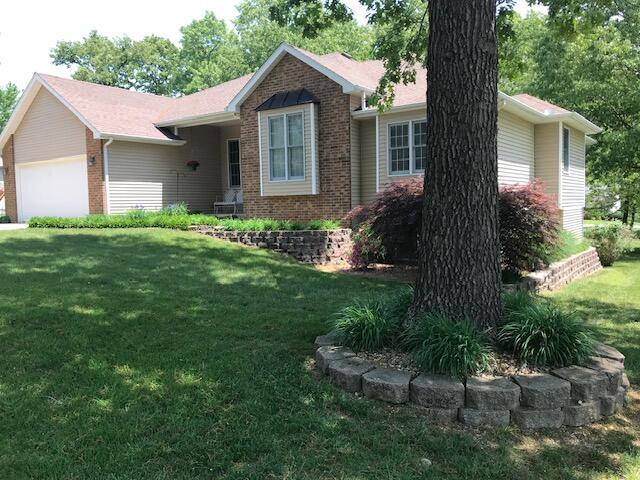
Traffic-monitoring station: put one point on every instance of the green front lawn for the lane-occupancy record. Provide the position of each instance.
(155, 354)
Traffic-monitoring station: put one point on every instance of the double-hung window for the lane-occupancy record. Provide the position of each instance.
(565, 149)
(286, 147)
(407, 147)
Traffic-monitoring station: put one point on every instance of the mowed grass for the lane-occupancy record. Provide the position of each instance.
(152, 354)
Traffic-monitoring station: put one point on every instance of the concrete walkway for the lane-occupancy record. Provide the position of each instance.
(12, 226)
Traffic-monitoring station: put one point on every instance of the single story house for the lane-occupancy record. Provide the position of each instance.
(297, 139)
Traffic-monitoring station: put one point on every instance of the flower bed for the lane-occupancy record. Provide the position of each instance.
(571, 396)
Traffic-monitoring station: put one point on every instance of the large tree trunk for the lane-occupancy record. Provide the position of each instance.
(459, 252)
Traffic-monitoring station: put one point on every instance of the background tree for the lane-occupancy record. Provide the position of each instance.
(210, 54)
(148, 65)
(260, 34)
(8, 98)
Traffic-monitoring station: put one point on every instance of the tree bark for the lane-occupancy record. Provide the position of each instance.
(625, 211)
(459, 249)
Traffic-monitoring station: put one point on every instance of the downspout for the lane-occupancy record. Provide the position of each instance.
(105, 162)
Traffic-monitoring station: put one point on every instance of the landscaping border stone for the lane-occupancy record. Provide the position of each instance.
(309, 246)
(560, 273)
(572, 396)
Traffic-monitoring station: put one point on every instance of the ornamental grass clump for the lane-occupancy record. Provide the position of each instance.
(514, 302)
(545, 335)
(439, 344)
(374, 322)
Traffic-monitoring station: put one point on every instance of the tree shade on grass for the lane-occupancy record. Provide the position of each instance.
(155, 354)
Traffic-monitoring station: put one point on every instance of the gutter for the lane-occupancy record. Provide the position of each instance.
(133, 138)
(105, 165)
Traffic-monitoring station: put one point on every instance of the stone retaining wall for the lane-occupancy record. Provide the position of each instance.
(561, 273)
(308, 246)
(571, 396)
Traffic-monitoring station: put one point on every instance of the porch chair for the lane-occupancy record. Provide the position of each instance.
(231, 204)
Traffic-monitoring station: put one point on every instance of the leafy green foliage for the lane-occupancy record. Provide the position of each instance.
(148, 65)
(209, 53)
(544, 334)
(608, 240)
(442, 345)
(8, 98)
(5, 219)
(175, 217)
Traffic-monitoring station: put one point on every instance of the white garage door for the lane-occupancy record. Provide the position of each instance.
(52, 189)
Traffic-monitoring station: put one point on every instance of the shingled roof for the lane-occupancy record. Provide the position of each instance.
(124, 114)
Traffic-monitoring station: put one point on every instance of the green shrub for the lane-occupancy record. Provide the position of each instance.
(5, 219)
(608, 240)
(543, 334)
(397, 305)
(568, 245)
(441, 345)
(172, 218)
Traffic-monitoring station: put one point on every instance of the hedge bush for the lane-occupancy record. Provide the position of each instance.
(175, 218)
(529, 223)
(5, 219)
(609, 241)
(529, 226)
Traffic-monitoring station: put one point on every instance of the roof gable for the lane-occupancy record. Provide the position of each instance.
(332, 69)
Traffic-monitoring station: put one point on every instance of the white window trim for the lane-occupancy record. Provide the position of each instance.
(412, 154)
(565, 170)
(229, 140)
(286, 148)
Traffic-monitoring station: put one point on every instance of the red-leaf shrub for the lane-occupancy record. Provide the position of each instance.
(529, 226)
(529, 223)
(395, 218)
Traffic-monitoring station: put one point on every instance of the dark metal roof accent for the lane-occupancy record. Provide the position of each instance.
(288, 99)
(168, 132)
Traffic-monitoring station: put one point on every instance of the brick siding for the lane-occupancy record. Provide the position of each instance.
(8, 159)
(333, 200)
(95, 174)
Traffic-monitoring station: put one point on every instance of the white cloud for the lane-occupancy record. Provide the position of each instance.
(30, 30)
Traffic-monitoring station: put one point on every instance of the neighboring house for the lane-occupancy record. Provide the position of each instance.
(298, 138)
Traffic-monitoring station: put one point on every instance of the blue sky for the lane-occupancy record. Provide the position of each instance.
(26, 37)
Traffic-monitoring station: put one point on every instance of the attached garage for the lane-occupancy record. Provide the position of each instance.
(54, 188)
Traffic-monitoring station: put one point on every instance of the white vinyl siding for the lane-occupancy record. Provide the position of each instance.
(153, 176)
(293, 186)
(547, 161)
(572, 221)
(367, 161)
(573, 190)
(356, 191)
(516, 140)
(49, 131)
(515, 149)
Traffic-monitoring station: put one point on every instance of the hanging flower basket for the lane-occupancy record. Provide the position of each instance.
(193, 164)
